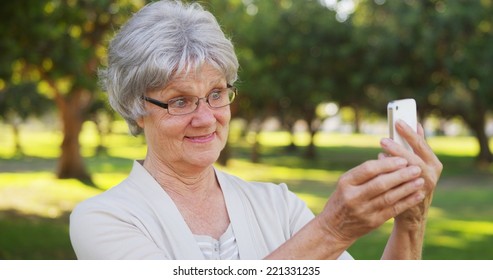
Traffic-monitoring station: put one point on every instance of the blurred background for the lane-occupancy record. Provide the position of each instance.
(315, 79)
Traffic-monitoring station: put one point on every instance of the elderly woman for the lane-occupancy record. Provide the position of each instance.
(171, 74)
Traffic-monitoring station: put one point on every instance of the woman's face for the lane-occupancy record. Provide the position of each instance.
(187, 141)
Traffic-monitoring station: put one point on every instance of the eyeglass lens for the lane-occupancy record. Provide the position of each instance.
(188, 104)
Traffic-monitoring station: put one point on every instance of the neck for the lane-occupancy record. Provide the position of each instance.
(183, 182)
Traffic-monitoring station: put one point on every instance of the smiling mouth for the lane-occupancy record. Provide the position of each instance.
(202, 138)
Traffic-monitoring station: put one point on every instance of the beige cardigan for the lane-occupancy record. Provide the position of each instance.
(138, 220)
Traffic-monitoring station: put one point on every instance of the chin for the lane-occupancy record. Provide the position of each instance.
(204, 160)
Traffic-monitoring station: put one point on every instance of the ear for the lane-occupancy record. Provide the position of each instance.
(140, 122)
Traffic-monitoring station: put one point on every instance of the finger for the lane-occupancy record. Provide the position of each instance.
(400, 125)
(423, 156)
(385, 182)
(395, 202)
(394, 195)
(421, 131)
(394, 149)
(417, 142)
(382, 155)
(370, 169)
(402, 205)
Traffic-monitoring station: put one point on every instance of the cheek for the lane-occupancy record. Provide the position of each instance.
(159, 129)
(170, 129)
(224, 117)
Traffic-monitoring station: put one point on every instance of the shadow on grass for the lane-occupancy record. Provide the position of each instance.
(97, 164)
(25, 236)
(469, 250)
(441, 242)
(88, 181)
(28, 164)
(32, 237)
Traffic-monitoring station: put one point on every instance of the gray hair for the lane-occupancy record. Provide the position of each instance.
(161, 40)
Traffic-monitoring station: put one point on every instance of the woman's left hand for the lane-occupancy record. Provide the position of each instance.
(424, 157)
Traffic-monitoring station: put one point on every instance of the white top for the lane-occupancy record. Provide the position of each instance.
(138, 220)
(223, 249)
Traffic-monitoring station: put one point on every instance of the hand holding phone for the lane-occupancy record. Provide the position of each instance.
(403, 109)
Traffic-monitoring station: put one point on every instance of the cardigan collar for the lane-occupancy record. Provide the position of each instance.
(182, 241)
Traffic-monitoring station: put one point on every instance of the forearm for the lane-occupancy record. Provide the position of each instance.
(312, 242)
(405, 242)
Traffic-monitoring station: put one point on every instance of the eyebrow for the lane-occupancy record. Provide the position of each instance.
(185, 90)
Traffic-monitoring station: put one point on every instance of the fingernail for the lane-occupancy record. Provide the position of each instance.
(401, 123)
(415, 170)
(419, 182)
(420, 196)
(386, 141)
(400, 162)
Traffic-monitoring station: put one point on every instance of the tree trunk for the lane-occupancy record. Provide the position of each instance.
(478, 126)
(255, 127)
(311, 151)
(292, 134)
(225, 155)
(357, 119)
(477, 122)
(100, 149)
(255, 155)
(71, 164)
(17, 140)
(314, 125)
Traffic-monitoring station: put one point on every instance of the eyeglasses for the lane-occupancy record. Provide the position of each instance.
(187, 104)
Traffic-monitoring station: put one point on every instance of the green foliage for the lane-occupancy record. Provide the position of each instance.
(22, 101)
(59, 45)
(286, 49)
(437, 52)
(59, 39)
(293, 55)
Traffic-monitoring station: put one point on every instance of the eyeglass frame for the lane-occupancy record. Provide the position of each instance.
(163, 105)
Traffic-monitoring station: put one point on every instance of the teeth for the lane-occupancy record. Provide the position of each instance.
(203, 136)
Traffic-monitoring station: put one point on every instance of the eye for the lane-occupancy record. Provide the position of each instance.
(215, 95)
(180, 102)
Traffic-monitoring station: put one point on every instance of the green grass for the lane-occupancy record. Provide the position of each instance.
(34, 204)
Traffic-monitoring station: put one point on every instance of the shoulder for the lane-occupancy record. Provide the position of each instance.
(112, 202)
(136, 190)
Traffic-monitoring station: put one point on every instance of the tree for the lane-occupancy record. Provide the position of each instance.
(286, 51)
(466, 41)
(18, 103)
(437, 52)
(61, 45)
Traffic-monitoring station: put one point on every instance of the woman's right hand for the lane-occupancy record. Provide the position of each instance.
(369, 195)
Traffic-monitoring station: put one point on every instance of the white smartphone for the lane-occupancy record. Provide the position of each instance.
(403, 109)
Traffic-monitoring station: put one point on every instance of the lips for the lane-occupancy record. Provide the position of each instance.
(202, 138)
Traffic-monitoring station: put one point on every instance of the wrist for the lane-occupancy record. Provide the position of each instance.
(413, 217)
(330, 235)
(409, 224)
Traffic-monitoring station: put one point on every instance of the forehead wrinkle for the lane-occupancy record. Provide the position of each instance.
(185, 82)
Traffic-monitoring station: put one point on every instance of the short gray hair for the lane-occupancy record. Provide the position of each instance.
(161, 40)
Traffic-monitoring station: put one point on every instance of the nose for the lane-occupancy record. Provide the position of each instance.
(202, 98)
(204, 114)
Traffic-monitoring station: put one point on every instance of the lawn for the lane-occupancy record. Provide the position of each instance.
(34, 205)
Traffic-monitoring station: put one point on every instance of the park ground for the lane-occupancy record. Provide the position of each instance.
(35, 205)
